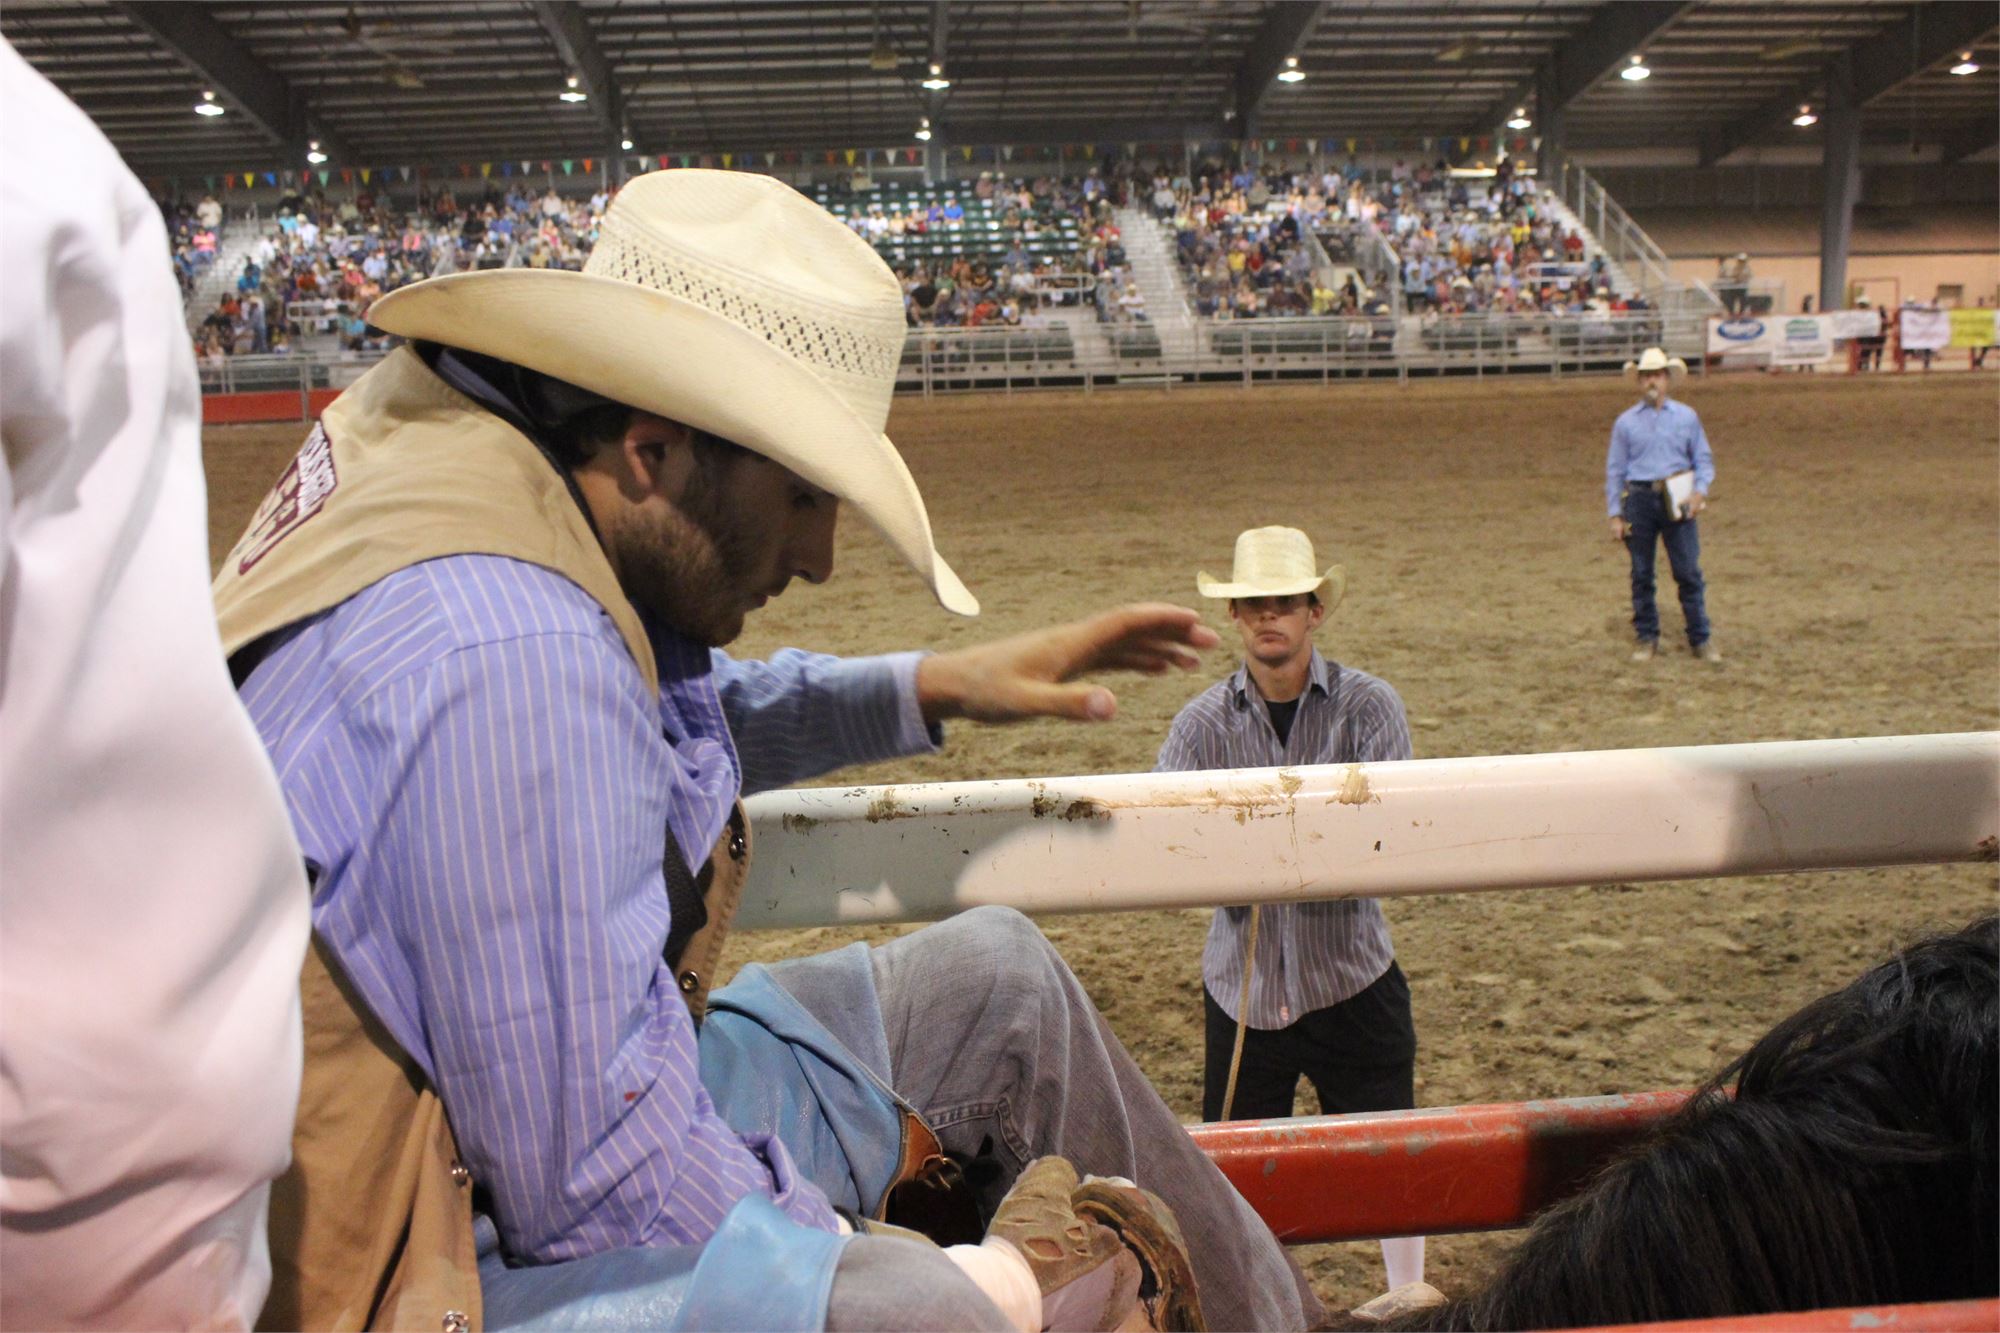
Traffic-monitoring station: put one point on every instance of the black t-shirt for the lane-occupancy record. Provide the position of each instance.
(1281, 718)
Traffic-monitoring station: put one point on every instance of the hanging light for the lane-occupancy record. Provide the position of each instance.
(572, 93)
(924, 130)
(208, 106)
(1291, 73)
(1635, 71)
(1805, 116)
(313, 154)
(937, 82)
(1965, 64)
(626, 142)
(1519, 120)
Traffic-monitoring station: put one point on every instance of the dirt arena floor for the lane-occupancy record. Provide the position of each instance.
(1853, 558)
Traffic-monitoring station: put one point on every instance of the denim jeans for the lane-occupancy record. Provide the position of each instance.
(1645, 511)
(979, 1024)
(992, 1039)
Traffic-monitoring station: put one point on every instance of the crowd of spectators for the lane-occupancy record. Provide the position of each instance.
(320, 263)
(1461, 243)
(1062, 247)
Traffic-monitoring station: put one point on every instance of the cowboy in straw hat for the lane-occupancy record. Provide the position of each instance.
(1657, 474)
(1309, 988)
(474, 624)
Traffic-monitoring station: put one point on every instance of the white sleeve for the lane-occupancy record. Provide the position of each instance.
(153, 909)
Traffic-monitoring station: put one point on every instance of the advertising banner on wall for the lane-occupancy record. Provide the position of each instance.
(1924, 330)
(1974, 328)
(1789, 340)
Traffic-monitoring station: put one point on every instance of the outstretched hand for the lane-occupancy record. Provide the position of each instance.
(1034, 674)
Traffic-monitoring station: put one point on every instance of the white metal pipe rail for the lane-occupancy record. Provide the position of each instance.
(843, 855)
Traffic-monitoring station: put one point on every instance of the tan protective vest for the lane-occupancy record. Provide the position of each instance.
(371, 1227)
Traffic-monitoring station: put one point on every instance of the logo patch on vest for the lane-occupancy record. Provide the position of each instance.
(300, 493)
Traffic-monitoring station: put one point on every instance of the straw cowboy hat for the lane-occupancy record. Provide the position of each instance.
(726, 301)
(1655, 359)
(1276, 562)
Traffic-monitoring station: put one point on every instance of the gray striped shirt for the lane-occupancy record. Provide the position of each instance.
(1309, 955)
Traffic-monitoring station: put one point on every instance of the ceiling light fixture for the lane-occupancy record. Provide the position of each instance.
(1965, 64)
(572, 93)
(208, 106)
(1519, 120)
(313, 154)
(1805, 116)
(924, 130)
(1635, 71)
(626, 141)
(937, 82)
(1291, 73)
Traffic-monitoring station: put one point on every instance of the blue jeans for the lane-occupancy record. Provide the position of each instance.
(1645, 511)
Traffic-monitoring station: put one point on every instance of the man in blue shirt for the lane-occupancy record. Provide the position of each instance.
(1313, 988)
(1652, 441)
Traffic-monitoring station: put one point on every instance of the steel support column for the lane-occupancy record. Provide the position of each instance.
(1841, 180)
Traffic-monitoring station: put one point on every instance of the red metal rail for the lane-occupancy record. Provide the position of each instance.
(1426, 1172)
(1940, 1317)
(1484, 1168)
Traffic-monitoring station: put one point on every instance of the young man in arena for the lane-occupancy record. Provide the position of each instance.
(1297, 989)
(1653, 441)
(478, 626)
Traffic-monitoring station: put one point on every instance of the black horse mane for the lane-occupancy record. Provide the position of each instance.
(1854, 1165)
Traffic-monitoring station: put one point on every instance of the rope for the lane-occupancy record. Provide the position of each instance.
(1242, 1017)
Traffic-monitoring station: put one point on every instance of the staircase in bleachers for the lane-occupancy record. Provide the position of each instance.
(233, 244)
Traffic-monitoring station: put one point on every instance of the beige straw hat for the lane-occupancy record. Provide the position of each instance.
(726, 301)
(1276, 562)
(1655, 359)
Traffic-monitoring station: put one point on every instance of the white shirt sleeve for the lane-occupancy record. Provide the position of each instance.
(153, 908)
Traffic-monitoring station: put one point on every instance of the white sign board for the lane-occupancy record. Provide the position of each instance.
(1789, 340)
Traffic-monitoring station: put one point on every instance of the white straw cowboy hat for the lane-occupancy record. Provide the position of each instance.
(1655, 359)
(1276, 562)
(726, 301)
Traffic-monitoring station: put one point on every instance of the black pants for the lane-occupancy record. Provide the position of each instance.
(1360, 1054)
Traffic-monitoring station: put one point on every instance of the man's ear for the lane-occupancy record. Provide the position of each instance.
(655, 457)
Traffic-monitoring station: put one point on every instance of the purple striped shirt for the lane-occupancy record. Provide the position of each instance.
(481, 780)
(1309, 955)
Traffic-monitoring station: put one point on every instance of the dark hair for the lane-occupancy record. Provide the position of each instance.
(1855, 1165)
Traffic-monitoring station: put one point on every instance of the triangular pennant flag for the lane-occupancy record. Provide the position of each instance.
(569, 164)
(270, 178)
(1291, 145)
(249, 180)
(365, 174)
(1463, 143)
(347, 175)
(228, 181)
(464, 169)
(1350, 145)
(966, 149)
(664, 164)
(1007, 151)
(545, 164)
(728, 159)
(485, 169)
(208, 182)
(325, 176)
(506, 168)
(406, 173)
(850, 157)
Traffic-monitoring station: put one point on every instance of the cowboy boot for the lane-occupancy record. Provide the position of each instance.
(1089, 1280)
(1145, 1223)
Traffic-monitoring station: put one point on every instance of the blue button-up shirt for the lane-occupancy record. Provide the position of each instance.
(1309, 955)
(1649, 443)
(482, 780)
